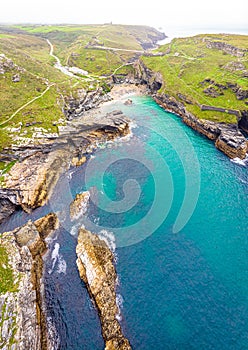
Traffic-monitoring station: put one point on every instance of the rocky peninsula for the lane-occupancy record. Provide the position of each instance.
(96, 267)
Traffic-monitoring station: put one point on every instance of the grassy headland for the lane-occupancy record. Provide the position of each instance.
(201, 72)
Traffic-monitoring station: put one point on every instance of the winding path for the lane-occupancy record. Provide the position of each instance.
(26, 104)
(115, 49)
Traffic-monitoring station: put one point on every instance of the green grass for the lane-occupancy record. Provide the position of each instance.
(188, 62)
(6, 273)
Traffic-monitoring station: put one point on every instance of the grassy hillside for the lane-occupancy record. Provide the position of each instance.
(204, 74)
(32, 90)
(76, 45)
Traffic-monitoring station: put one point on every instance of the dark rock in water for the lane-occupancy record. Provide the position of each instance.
(128, 102)
(96, 268)
(6, 209)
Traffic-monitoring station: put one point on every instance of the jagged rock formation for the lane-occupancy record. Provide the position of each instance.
(23, 323)
(33, 179)
(79, 205)
(227, 137)
(153, 80)
(96, 268)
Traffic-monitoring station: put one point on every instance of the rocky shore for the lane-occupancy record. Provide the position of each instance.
(23, 324)
(31, 180)
(228, 138)
(96, 267)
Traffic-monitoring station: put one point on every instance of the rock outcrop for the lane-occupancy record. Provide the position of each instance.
(227, 48)
(34, 177)
(96, 267)
(23, 323)
(227, 137)
(144, 75)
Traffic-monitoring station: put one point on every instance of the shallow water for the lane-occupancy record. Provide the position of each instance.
(178, 210)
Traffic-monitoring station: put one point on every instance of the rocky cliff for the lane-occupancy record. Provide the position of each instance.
(227, 48)
(227, 137)
(23, 323)
(96, 267)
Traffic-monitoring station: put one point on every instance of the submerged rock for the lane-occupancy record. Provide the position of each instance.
(96, 268)
(22, 305)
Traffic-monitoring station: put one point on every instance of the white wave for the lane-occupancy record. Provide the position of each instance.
(74, 230)
(243, 162)
(119, 303)
(58, 260)
(108, 238)
(133, 125)
(61, 265)
(89, 268)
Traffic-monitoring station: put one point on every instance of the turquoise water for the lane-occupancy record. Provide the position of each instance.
(177, 208)
(186, 289)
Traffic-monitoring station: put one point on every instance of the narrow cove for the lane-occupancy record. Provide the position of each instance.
(185, 289)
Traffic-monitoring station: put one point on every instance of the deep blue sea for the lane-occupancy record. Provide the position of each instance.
(175, 209)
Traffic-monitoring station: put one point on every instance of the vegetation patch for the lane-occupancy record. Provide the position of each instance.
(6, 273)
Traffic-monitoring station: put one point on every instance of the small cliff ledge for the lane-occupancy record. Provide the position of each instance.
(96, 269)
(23, 324)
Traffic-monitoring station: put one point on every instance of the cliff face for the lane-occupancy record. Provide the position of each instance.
(144, 75)
(227, 137)
(243, 122)
(23, 323)
(96, 268)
